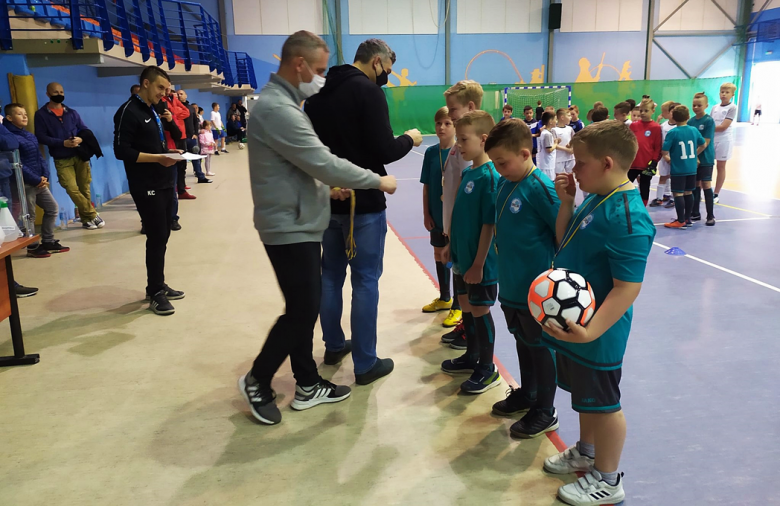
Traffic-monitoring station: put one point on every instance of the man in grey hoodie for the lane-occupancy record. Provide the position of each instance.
(290, 171)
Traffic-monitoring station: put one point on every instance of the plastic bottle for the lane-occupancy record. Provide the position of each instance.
(8, 223)
(63, 220)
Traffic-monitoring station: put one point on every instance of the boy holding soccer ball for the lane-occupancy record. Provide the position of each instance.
(607, 241)
(474, 262)
(526, 207)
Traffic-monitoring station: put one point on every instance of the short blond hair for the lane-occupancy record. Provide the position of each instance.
(482, 122)
(647, 102)
(609, 138)
(729, 86)
(665, 106)
(442, 114)
(466, 91)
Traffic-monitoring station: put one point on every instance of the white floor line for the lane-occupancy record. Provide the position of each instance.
(729, 271)
(407, 179)
(726, 221)
(417, 152)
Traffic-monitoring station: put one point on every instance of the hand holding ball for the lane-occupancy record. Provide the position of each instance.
(557, 295)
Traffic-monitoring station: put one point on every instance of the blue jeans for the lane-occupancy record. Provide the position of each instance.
(366, 269)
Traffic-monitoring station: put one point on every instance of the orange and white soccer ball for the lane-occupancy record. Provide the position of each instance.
(557, 295)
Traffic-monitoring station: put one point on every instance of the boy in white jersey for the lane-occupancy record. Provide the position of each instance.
(723, 115)
(548, 144)
(564, 159)
(664, 190)
(464, 96)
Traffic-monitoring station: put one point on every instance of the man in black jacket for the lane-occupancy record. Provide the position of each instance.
(350, 116)
(140, 143)
(192, 128)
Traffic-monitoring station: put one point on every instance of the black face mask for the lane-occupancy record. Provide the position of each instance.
(381, 79)
(58, 99)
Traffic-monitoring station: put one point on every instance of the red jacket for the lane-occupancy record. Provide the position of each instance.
(648, 135)
(180, 113)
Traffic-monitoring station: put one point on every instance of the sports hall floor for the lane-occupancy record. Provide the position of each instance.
(128, 408)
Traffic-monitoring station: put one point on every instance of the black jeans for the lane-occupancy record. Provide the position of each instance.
(644, 182)
(156, 210)
(298, 271)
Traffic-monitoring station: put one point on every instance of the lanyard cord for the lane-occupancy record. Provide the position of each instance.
(443, 163)
(501, 213)
(574, 227)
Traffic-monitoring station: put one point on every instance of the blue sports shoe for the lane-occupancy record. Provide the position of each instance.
(458, 365)
(483, 379)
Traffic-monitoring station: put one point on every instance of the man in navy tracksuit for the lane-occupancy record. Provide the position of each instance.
(35, 171)
(8, 143)
(58, 127)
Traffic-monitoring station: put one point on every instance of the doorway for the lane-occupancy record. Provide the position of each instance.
(763, 90)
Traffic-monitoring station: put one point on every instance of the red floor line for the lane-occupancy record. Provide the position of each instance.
(554, 438)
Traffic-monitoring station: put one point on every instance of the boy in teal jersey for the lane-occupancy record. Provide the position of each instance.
(526, 211)
(704, 123)
(432, 178)
(473, 256)
(681, 148)
(607, 241)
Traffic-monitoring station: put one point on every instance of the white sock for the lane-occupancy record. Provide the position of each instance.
(668, 189)
(659, 191)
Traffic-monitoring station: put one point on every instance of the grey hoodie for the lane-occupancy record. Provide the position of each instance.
(288, 165)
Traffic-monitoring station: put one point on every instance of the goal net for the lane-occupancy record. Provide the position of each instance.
(520, 96)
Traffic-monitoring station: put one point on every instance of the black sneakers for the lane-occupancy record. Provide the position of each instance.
(159, 304)
(262, 400)
(175, 226)
(382, 367)
(535, 423)
(514, 403)
(170, 293)
(25, 291)
(54, 247)
(204, 180)
(458, 332)
(334, 357)
(459, 343)
(321, 393)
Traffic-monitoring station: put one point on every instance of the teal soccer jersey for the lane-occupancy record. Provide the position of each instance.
(432, 174)
(475, 206)
(612, 242)
(525, 234)
(706, 127)
(681, 143)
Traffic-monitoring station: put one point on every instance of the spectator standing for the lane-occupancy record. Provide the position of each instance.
(218, 129)
(242, 111)
(286, 164)
(351, 117)
(36, 182)
(192, 128)
(180, 114)
(139, 141)
(58, 127)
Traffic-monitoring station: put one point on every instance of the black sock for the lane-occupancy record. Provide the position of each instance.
(679, 206)
(528, 376)
(472, 344)
(486, 332)
(688, 207)
(709, 202)
(544, 364)
(696, 202)
(443, 273)
(455, 301)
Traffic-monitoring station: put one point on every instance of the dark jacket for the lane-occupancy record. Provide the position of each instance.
(191, 126)
(351, 117)
(33, 165)
(53, 133)
(136, 131)
(89, 146)
(234, 128)
(8, 143)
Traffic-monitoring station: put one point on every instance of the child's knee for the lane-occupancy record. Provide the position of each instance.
(478, 311)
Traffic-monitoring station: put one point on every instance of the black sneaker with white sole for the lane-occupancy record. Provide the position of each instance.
(515, 403)
(159, 304)
(261, 399)
(535, 423)
(452, 335)
(25, 291)
(459, 343)
(170, 293)
(322, 393)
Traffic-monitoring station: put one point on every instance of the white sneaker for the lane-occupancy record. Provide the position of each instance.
(99, 223)
(568, 461)
(591, 489)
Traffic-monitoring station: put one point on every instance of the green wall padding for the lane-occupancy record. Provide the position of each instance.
(415, 106)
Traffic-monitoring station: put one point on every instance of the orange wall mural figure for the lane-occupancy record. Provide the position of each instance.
(587, 74)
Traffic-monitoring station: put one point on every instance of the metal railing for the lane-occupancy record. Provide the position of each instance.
(169, 31)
